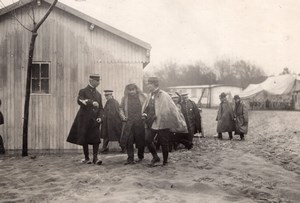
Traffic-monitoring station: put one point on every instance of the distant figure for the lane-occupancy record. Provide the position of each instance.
(133, 125)
(112, 124)
(268, 104)
(192, 117)
(85, 128)
(240, 117)
(2, 149)
(224, 117)
(161, 116)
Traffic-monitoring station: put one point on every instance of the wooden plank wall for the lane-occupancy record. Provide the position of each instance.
(74, 52)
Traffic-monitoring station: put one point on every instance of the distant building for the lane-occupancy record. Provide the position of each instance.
(70, 45)
(207, 95)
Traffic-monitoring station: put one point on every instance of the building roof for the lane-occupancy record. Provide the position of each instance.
(199, 86)
(81, 15)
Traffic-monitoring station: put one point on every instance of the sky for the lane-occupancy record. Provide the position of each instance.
(263, 32)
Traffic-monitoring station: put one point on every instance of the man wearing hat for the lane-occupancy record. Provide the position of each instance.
(224, 117)
(161, 116)
(192, 117)
(85, 128)
(240, 117)
(112, 124)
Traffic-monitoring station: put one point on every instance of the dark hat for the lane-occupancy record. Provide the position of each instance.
(95, 76)
(222, 95)
(108, 92)
(236, 97)
(152, 80)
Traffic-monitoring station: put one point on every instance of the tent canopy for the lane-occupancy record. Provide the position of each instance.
(275, 85)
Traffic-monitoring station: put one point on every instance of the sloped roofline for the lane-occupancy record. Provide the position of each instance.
(83, 16)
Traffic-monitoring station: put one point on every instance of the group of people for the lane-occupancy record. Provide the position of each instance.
(232, 118)
(139, 119)
(158, 119)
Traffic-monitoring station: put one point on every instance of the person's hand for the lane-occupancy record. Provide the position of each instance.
(144, 116)
(98, 120)
(83, 101)
(95, 104)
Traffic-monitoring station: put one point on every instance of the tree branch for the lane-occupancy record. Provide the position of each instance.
(45, 17)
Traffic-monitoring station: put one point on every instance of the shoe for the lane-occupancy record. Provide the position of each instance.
(139, 160)
(97, 161)
(129, 163)
(104, 150)
(242, 138)
(85, 161)
(165, 163)
(154, 161)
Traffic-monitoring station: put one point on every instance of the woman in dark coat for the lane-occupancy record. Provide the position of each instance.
(225, 117)
(85, 128)
(240, 117)
(112, 124)
(134, 129)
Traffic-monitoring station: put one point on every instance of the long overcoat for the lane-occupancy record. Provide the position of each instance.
(85, 128)
(166, 112)
(138, 122)
(241, 118)
(225, 118)
(192, 116)
(112, 124)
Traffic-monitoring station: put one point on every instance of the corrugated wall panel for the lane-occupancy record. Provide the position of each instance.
(74, 52)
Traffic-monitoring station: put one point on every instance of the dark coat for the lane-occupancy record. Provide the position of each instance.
(85, 128)
(192, 116)
(137, 123)
(112, 124)
(225, 118)
(1, 118)
(241, 118)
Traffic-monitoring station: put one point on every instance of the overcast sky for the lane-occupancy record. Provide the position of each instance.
(263, 32)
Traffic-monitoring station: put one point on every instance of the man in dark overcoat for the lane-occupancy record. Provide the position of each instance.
(2, 149)
(112, 124)
(192, 117)
(85, 128)
(224, 117)
(240, 117)
(134, 130)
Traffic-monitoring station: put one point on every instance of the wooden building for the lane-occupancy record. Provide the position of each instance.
(70, 45)
(207, 96)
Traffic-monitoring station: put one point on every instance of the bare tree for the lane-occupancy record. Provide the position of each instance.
(34, 34)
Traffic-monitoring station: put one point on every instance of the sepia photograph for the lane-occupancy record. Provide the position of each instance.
(150, 101)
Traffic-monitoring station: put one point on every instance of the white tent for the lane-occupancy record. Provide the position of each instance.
(276, 85)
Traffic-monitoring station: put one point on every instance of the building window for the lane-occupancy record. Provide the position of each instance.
(40, 78)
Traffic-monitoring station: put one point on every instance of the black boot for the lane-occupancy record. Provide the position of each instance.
(230, 135)
(242, 136)
(165, 152)
(220, 137)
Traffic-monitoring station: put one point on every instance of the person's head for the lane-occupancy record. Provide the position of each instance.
(152, 84)
(94, 80)
(108, 94)
(184, 96)
(222, 96)
(237, 98)
(175, 98)
(132, 89)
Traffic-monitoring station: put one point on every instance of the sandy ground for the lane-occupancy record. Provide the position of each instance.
(264, 168)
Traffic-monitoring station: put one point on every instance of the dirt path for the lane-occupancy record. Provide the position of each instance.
(264, 168)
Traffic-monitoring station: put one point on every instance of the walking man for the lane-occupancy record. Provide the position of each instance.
(192, 117)
(161, 116)
(240, 117)
(224, 117)
(85, 128)
(133, 129)
(112, 123)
